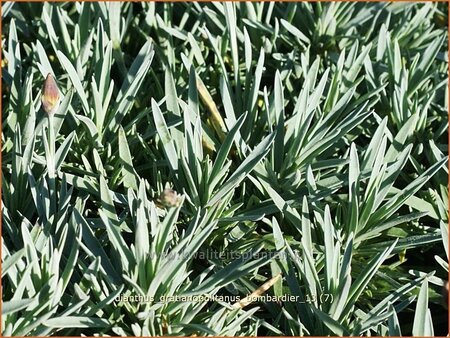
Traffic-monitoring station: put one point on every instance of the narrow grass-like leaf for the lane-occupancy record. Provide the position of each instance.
(245, 168)
(10, 261)
(332, 324)
(129, 178)
(366, 275)
(63, 150)
(76, 81)
(225, 148)
(421, 324)
(166, 139)
(15, 305)
(76, 321)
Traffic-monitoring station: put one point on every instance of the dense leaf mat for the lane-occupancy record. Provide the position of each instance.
(202, 152)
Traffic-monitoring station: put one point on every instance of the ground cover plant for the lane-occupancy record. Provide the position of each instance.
(198, 153)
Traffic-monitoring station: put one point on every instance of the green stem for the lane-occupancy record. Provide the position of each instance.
(51, 164)
(51, 145)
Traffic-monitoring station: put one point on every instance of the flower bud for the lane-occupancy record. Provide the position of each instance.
(169, 198)
(50, 95)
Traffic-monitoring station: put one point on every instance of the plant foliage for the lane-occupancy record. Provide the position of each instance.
(200, 150)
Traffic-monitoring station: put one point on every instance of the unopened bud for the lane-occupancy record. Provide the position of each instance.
(50, 95)
(169, 198)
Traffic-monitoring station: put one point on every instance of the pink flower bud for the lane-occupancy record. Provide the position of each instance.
(50, 95)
